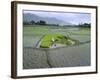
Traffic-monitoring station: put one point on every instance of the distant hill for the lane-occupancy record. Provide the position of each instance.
(27, 17)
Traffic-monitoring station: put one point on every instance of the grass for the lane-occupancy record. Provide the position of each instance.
(47, 41)
(50, 39)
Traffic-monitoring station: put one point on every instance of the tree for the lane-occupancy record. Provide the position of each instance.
(25, 23)
(85, 25)
(41, 22)
(32, 22)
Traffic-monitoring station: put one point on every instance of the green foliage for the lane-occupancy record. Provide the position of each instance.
(41, 22)
(50, 39)
(32, 22)
(85, 25)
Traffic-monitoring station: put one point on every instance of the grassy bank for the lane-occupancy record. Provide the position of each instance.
(50, 39)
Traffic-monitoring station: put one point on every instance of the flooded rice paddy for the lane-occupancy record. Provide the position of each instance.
(72, 56)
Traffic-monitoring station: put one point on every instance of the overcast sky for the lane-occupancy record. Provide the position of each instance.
(71, 17)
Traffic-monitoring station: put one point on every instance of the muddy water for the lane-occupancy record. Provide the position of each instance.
(60, 57)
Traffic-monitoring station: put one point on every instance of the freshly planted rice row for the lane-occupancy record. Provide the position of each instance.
(50, 39)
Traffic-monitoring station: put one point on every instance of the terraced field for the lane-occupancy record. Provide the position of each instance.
(32, 34)
(78, 55)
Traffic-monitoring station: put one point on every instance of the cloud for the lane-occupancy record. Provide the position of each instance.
(72, 17)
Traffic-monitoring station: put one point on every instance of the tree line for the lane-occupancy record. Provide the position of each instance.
(84, 25)
(42, 22)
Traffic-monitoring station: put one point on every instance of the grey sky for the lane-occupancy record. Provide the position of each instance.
(71, 17)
